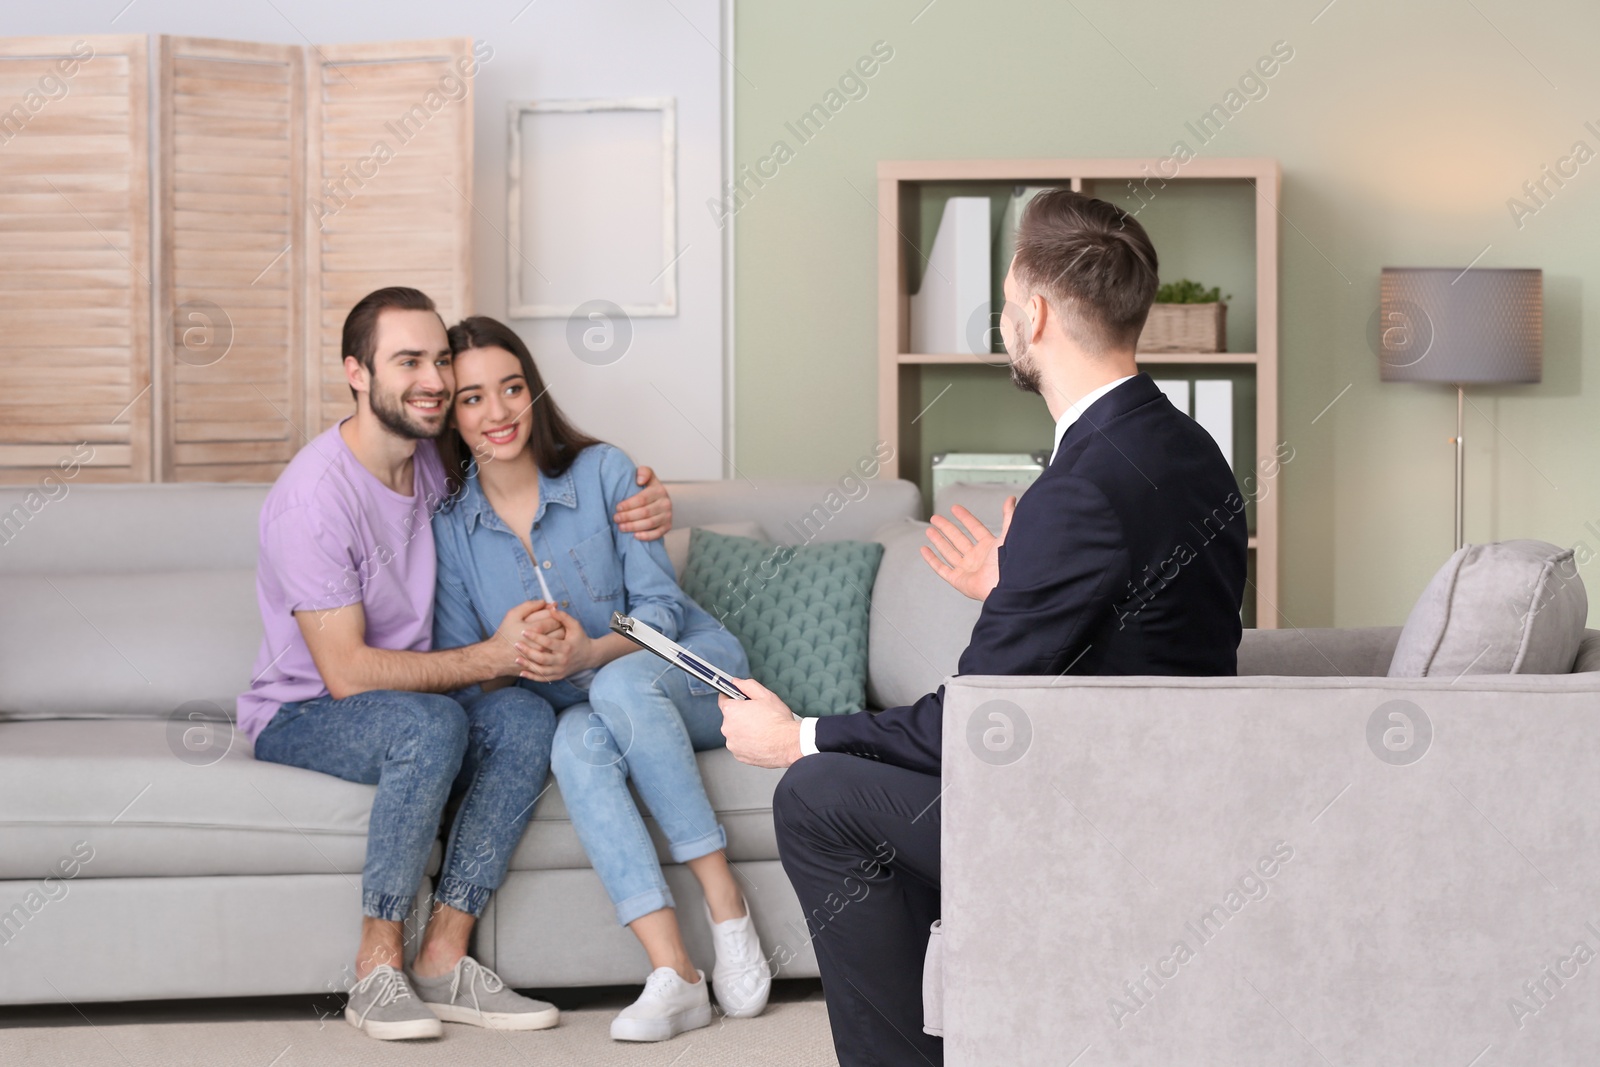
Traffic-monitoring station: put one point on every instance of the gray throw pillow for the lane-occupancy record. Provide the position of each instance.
(1513, 607)
(920, 625)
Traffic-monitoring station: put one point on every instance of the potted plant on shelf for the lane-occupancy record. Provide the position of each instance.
(1186, 317)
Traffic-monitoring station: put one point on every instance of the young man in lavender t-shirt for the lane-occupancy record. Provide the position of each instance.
(346, 682)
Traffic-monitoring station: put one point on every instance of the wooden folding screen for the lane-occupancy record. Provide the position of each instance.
(200, 341)
(390, 154)
(231, 192)
(74, 260)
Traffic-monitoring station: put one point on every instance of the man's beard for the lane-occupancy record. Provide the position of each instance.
(391, 410)
(1024, 371)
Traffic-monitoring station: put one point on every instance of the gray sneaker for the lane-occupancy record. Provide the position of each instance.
(475, 995)
(381, 1006)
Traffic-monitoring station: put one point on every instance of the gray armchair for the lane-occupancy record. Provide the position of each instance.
(1307, 864)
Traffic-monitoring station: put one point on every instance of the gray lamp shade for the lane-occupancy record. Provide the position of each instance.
(1461, 326)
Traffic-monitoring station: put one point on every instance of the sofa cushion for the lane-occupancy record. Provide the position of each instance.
(740, 794)
(1513, 607)
(801, 613)
(152, 798)
(920, 625)
(149, 801)
(140, 644)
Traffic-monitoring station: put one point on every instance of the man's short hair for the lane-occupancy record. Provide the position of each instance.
(361, 325)
(1092, 262)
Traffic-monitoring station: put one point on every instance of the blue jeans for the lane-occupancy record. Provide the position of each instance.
(491, 751)
(642, 720)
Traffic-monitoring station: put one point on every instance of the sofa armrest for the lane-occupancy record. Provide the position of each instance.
(1225, 870)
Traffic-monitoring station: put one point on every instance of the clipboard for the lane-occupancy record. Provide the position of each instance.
(650, 639)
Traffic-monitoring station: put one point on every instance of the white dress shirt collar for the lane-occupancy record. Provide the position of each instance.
(1070, 416)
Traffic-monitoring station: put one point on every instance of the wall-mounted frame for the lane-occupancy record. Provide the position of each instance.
(591, 206)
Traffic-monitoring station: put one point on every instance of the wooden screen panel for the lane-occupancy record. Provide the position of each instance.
(74, 282)
(230, 319)
(389, 164)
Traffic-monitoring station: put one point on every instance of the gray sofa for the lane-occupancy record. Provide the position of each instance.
(1425, 882)
(150, 856)
(144, 854)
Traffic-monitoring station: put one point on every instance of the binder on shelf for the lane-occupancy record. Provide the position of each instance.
(950, 312)
(1177, 390)
(1005, 247)
(1213, 409)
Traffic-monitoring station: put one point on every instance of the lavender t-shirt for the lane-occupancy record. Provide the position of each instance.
(333, 535)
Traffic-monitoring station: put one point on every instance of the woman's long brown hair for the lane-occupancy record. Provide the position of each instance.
(555, 442)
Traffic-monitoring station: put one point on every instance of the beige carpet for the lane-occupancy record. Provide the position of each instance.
(793, 1032)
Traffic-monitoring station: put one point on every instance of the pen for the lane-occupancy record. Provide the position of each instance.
(544, 586)
(712, 675)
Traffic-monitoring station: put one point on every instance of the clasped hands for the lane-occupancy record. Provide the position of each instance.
(538, 641)
(764, 732)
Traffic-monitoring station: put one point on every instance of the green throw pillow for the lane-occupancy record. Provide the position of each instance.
(801, 613)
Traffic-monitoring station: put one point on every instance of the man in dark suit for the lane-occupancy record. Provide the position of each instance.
(1126, 556)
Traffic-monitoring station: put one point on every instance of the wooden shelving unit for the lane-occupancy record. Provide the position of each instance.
(900, 187)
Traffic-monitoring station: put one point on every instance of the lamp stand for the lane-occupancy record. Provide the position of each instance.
(1461, 462)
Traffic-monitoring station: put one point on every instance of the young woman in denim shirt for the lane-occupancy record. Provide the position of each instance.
(533, 496)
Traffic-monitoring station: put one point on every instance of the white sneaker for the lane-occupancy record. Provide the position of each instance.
(667, 1007)
(740, 976)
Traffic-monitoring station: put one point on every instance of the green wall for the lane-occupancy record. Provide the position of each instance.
(1402, 131)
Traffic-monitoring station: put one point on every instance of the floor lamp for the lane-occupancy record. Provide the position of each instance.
(1476, 326)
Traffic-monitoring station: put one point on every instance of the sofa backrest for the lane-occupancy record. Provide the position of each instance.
(123, 529)
(795, 513)
(119, 529)
(140, 599)
(1354, 652)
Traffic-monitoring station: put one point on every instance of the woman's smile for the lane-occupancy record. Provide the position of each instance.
(502, 435)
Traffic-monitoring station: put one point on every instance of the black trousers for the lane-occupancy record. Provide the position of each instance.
(860, 842)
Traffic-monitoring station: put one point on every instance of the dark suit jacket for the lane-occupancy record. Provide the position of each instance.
(1126, 556)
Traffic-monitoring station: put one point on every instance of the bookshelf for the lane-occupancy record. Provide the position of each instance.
(1216, 220)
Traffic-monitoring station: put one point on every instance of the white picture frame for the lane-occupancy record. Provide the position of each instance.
(528, 254)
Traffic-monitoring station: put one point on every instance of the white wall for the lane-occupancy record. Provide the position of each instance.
(542, 50)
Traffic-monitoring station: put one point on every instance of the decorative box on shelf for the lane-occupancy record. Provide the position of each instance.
(1185, 328)
(1010, 468)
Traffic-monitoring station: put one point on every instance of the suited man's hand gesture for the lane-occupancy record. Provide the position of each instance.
(973, 556)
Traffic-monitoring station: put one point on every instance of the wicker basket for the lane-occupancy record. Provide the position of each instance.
(1185, 328)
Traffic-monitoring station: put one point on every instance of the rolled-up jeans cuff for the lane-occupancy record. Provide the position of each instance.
(462, 895)
(642, 904)
(684, 851)
(390, 906)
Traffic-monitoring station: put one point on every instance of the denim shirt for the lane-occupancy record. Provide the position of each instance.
(593, 568)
